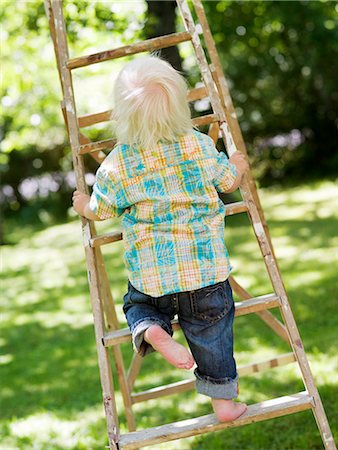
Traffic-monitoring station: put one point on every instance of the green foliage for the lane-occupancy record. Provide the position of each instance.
(33, 135)
(51, 395)
(278, 57)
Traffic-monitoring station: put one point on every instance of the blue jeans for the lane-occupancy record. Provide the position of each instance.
(206, 317)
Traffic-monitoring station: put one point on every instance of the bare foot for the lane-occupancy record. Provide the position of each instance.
(227, 410)
(171, 350)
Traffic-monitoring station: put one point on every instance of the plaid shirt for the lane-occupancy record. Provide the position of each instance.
(173, 219)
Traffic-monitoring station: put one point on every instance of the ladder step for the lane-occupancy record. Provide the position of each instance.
(85, 121)
(235, 208)
(105, 239)
(231, 208)
(252, 305)
(148, 45)
(104, 116)
(95, 146)
(205, 120)
(187, 385)
(268, 409)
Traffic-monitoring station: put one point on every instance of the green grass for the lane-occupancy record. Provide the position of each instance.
(50, 389)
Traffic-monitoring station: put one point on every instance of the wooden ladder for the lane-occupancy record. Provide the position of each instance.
(222, 122)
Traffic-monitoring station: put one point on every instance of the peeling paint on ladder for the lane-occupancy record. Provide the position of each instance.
(259, 230)
(86, 235)
(69, 107)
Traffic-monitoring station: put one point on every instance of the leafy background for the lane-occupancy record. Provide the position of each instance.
(279, 61)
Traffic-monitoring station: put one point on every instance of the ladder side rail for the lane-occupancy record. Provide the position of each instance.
(156, 43)
(134, 370)
(226, 99)
(264, 244)
(277, 326)
(99, 155)
(110, 313)
(268, 409)
(187, 385)
(113, 324)
(286, 312)
(103, 285)
(87, 227)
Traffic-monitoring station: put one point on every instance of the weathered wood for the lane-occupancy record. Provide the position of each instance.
(87, 228)
(144, 46)
(216, 89)
(104, 239)
(187, 385)
(277, 326)
(213, 132)
(197, 94)
(235, 208)
(230, 130)
(134, 369)
(92, 119)
(248, 306)
(268, 409)
(205, 120)
(96, 146)
(99, 156)
(227, 104)
(113, 324)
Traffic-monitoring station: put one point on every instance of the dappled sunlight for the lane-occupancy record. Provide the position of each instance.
(51, 384)
(47, 430)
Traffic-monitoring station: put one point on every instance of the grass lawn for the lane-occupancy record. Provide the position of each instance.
(50, 389)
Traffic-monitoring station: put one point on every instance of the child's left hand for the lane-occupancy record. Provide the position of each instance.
(80, 201)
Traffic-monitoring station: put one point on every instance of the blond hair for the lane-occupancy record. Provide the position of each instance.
(150, 103)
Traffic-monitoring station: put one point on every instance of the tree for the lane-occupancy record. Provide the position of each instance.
(278, 56)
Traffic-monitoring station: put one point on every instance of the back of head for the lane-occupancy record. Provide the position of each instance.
(150, 103)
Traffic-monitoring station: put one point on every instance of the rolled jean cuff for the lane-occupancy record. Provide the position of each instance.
(226, 388)
(140, 345)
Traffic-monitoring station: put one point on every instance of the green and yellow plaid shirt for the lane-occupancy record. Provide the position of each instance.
(173, 219)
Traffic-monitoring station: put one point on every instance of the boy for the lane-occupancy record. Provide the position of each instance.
(163, 177)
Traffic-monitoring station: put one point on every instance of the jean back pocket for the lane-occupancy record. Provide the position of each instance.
(212, 303)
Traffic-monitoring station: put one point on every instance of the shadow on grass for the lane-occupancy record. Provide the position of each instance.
(52, 368)
(49, 347)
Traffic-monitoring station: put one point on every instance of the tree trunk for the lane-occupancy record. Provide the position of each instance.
(161, 20)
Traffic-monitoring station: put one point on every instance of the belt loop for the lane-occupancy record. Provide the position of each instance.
(175, 302)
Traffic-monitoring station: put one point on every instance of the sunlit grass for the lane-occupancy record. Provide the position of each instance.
(51, 395)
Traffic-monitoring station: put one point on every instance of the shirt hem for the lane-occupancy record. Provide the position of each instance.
(194, 287)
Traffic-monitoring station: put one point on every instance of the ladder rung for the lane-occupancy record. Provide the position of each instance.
(231, 208)
(148, 45)
(105, 239)
(255, 304)
(197, 93)
(187, 385)
(95, 146)
(92, 119)
(104, 116)
(268, 409)
(235, 208)
(205, 120)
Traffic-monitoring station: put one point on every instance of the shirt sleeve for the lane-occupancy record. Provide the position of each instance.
(107, 199)
(225, 173)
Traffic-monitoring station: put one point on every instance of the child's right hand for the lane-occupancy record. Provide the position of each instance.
(239, 160)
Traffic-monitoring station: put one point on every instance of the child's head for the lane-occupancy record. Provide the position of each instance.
(150, 103)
